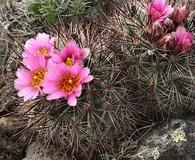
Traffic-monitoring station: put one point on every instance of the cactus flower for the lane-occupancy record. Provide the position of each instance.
(180, 14)
(29, 82)
(158, 10)
(70, 54)
(41, 45)
(66, 82)
(183, 39)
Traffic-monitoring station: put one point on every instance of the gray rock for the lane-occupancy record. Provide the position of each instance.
(36, 151)
(173, 141)
(10, 149)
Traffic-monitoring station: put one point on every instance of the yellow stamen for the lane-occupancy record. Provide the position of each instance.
(43, 51)
(68, 83)
(69, 61)
(37, 77)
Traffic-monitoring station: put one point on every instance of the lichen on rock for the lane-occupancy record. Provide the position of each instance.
(146, 151)
(178, 135)
(173, 140)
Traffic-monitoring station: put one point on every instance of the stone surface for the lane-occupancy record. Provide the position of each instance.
(10, 149)
(36, 151)
(173, 141)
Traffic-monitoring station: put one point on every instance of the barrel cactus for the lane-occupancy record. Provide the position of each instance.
(158, 48)
(106, 112)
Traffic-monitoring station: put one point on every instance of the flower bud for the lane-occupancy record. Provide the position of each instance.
(168, 42)
(156, 30)
(168, 24)
(183, 39)
(179, 14)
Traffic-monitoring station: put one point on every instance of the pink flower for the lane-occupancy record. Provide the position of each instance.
(70, 54)
(41, 45)
(29, 82)
(158, 10)
(180, 14)
(183, 39)
(64, 81)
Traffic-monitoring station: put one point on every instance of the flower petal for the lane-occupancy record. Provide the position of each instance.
(72, 100)
(24, 91)
(88, 79)
(56, 95)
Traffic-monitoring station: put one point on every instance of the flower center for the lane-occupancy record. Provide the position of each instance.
(37, 77)
(68, 83)
(43, 51)
(69, 61)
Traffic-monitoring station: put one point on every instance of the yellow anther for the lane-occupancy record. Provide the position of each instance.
(37, 77)
(43, 51)
(68, 83)
(69, 61)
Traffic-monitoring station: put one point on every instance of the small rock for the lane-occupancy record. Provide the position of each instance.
(9, 149)
(36, 151)
(173, 141)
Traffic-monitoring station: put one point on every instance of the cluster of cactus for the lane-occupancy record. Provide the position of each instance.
(158, 49)
(105, 114)
(130, 69)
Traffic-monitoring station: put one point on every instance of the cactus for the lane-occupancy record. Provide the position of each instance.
(165, 76)
(105, 111)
